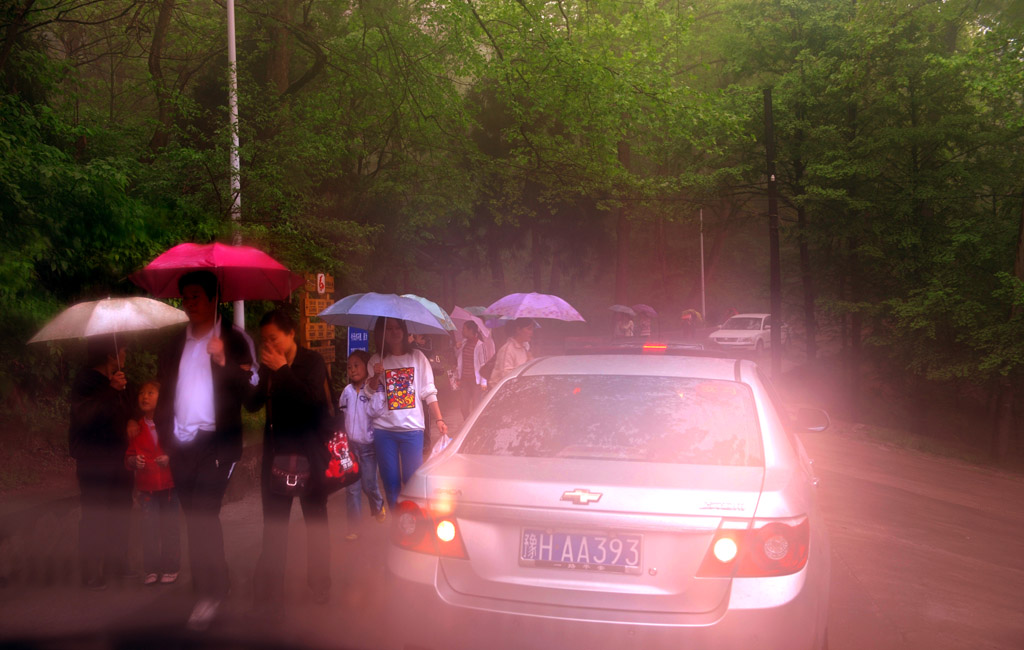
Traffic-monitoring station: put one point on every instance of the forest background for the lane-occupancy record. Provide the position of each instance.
(464, 149)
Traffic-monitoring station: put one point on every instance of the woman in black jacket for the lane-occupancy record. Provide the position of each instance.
(97, 440)
(293, 385)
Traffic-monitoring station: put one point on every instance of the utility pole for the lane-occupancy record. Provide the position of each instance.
(236, 185)
(773, 237)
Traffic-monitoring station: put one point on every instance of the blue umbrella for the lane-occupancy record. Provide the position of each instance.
(439, 313)
(363, 309)
(622, 309)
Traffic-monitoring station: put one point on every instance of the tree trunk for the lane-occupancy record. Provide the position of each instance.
(622, 231)
(856, 320)
(279, 62)
(661, 255)
(497, 267)
(161, 134)
(1004, 429)
(807, 278)
(10, 37)
(555, 283)
(1004, 420)
(711, 257)
(447, 286)
(537, 254)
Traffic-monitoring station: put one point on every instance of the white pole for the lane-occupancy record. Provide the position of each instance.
(236, 186)
(703, 300)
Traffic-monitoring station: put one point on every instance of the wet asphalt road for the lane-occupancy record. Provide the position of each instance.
(928, 553)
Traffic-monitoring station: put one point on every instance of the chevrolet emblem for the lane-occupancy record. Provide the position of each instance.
(581, 497)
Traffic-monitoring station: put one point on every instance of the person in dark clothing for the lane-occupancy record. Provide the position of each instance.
(472, 357)
(293, 386)
(204, 374)
(97, 441)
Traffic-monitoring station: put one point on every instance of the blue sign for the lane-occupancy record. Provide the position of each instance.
(357, 340)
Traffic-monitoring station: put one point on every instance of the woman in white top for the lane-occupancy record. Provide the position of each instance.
(408, 380)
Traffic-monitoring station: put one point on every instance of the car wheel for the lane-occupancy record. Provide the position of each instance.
(759, 346)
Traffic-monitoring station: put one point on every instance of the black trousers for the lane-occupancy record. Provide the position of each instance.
(106, 500)
(268, 582)
(201, 480)
(469, 394)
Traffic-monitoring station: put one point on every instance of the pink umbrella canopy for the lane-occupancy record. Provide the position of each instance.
(244, 273)
(534, 305)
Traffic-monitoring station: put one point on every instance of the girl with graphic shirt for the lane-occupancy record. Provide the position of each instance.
(408, 381)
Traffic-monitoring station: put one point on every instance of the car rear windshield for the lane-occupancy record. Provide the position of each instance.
(617, 417)
(742, 324)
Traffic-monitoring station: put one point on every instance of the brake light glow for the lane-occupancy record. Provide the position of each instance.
(446, 531)
(418, 529)
(725, 549)
(655, 348)
(765, 548)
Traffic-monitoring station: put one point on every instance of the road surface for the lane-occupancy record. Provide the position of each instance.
(928, 553)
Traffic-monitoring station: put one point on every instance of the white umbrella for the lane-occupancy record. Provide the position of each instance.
(109, 316)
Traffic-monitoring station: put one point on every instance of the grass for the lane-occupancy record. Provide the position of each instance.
(933, 447)
(34, 445)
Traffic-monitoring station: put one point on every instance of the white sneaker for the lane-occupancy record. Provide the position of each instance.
(203, 614)
(150, 579)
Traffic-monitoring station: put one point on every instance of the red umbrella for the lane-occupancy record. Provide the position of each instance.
(244, 273)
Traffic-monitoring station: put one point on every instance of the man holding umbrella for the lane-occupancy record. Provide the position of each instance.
(205, 373)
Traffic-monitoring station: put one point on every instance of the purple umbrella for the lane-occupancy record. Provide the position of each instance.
(646, 310)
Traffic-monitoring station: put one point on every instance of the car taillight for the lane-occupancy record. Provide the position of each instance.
(417, 529)
(655, 348)
(767, 547)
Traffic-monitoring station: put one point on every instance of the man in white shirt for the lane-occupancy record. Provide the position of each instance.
(205, 377)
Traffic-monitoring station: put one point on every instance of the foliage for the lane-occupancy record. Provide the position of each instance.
(398, 144)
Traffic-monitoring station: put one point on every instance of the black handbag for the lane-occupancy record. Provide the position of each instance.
(290, 475)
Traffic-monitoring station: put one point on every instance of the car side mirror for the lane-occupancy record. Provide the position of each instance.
(809, 419)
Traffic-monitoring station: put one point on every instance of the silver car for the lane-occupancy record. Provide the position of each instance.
(616, 501)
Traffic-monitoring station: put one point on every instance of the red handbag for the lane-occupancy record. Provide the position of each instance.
(343, 466)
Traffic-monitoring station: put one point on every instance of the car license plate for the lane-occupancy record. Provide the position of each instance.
(612, 553)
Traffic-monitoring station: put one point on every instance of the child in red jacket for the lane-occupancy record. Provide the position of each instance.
(161, 546)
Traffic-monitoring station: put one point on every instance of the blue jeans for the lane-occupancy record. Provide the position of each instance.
(367, 485)
(399, 454)
(161, 540)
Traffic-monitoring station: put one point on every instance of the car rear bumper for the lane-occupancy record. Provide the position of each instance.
(756, 614)
(733, 345)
